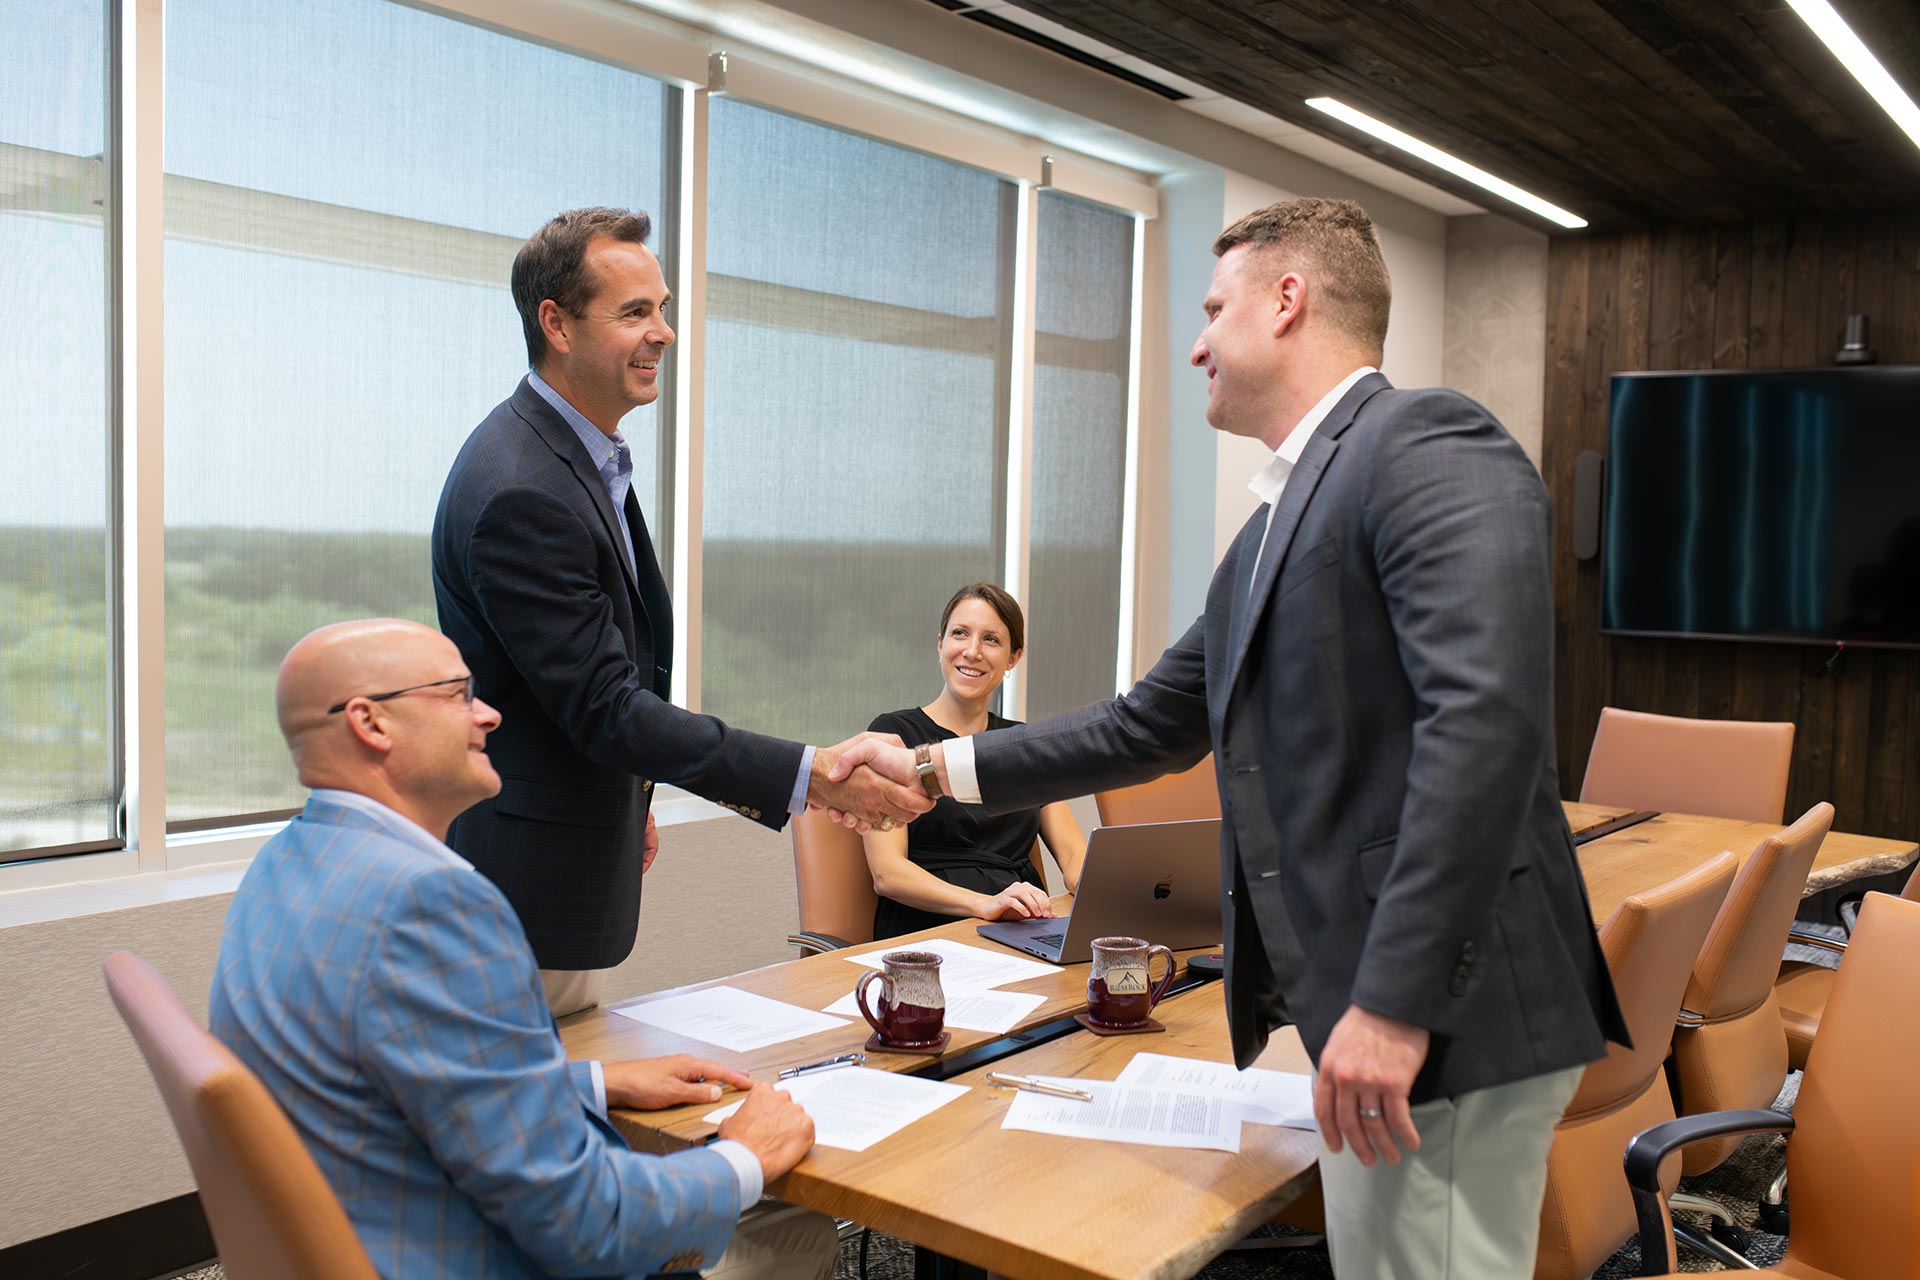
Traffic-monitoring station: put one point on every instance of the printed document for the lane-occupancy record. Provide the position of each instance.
(965, 968)
(855, 1107)
(1126, 1113)
(996, 1011)
(731, 1018)
(1264, 1097)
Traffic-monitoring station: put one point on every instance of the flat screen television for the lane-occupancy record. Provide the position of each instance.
(1765, 505)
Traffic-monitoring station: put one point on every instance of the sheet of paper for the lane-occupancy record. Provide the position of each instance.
(1126, 1113)
(1265, 1097)
(996, 1011)
(966, 968)
(731, 1018)
(855, 1107)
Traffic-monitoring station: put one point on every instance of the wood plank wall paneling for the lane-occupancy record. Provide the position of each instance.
(1763, 295)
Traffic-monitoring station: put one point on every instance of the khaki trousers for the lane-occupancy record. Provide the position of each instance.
(571, 990)
(1466, 1206)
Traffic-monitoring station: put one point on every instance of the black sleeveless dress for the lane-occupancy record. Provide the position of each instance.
(957, 842)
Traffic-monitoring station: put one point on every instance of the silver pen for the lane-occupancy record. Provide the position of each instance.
(825, 1064)
(1037, 1086)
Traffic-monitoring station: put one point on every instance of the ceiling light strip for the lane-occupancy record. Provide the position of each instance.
(1860, 63)
(1442, 160)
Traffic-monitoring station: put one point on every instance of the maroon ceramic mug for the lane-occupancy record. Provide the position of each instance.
(913, 1009)
(1118, 991)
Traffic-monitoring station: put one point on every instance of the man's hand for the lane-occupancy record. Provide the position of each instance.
(772, 1126)
(1018, 901)
(649, 845)
(1368, 1066)
(862, 798)
(885, 755)
(653, 1084)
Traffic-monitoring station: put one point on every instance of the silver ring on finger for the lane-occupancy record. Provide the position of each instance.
(1370, 1113)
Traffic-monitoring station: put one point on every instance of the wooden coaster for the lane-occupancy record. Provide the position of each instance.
(1146, 1028)
(876, 1045)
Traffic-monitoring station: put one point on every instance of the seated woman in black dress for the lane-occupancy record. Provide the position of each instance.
(956, 860)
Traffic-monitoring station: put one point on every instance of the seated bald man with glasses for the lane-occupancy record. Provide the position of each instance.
(385, 993)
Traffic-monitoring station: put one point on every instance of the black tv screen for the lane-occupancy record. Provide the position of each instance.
(1778, 505)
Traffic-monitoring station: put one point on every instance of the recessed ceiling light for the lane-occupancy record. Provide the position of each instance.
(1854, 56)
(1451, 163)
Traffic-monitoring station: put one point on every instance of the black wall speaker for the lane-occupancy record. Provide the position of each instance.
(1589, 481)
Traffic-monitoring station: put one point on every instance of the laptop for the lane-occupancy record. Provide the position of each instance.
(1154, 880)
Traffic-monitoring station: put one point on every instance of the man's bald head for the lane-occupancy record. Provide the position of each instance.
(348, 659)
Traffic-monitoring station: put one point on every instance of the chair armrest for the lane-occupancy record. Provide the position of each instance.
(1820, 940)
(1849, 911)
(1651, 1146)
(815, 943)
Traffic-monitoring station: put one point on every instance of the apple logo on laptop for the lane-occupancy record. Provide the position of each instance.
(1163, 890)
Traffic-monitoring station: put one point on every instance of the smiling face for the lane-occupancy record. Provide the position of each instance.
(606, 358)
(440, 751)
(1238, 351)
(975, 650)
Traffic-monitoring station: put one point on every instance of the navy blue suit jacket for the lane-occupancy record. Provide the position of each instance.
(574, 647)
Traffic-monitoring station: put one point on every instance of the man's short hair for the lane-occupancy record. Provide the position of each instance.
(1332, 243)
(553, 264)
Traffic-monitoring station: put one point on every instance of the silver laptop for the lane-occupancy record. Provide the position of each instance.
(1154, 880)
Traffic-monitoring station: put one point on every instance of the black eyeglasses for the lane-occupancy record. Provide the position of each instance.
(466, 696)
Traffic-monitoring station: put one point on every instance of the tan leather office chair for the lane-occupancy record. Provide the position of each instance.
(1854, 1131)
(1718, 768)
(1803, 990)
(1650, 941)
(1730, 1048)
(835, 886)
(1172, 797)
(273, 1215)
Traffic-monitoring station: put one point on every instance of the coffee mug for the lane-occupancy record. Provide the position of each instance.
(1118, 993)
(913, 1009)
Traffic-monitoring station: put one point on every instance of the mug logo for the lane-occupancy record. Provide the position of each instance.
(1163, 890)
(1127, 982)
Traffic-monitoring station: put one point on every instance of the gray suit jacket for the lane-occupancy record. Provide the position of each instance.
(1380, 713)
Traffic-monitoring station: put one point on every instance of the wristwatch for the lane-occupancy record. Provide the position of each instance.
(923, 765)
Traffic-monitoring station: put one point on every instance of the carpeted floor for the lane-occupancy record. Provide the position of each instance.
(1738, 1184)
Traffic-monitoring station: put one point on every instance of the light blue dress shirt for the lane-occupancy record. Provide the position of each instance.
(614, 461)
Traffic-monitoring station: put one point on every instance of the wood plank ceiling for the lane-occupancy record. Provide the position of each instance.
(1629, 112)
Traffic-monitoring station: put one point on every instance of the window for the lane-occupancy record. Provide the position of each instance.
(1082, 349)
(59, 741)
(347, 184)
(858, 358)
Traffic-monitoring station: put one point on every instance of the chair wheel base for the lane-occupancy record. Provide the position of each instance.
(1733, 1236)
(1773, 1218)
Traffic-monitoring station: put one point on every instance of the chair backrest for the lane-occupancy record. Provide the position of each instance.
(272, 1213)
(1651, 941)
(1717, 768)
(1854, 1156)
(1173, 797)
(1741, 957)
(833, 882)
(831, 878)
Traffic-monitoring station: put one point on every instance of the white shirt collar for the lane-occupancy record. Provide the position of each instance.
(397, 825)
(1272, 478)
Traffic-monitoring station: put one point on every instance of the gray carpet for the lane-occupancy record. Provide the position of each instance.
(1738, 1184)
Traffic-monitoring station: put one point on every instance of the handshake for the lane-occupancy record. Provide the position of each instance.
(869, 782)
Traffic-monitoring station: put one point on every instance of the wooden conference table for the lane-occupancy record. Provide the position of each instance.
(1034, 1205)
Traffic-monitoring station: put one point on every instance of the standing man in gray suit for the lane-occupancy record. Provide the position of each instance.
(1372, 676)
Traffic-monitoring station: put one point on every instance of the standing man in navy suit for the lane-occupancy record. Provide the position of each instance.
(545, 577)
(1372, 677)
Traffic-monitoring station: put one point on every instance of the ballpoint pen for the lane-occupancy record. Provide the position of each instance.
(825, 1064)
(1037, 1086)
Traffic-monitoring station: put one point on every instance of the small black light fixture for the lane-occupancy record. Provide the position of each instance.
(1853, 344)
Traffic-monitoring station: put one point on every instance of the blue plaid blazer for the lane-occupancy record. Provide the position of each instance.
(384, 991)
